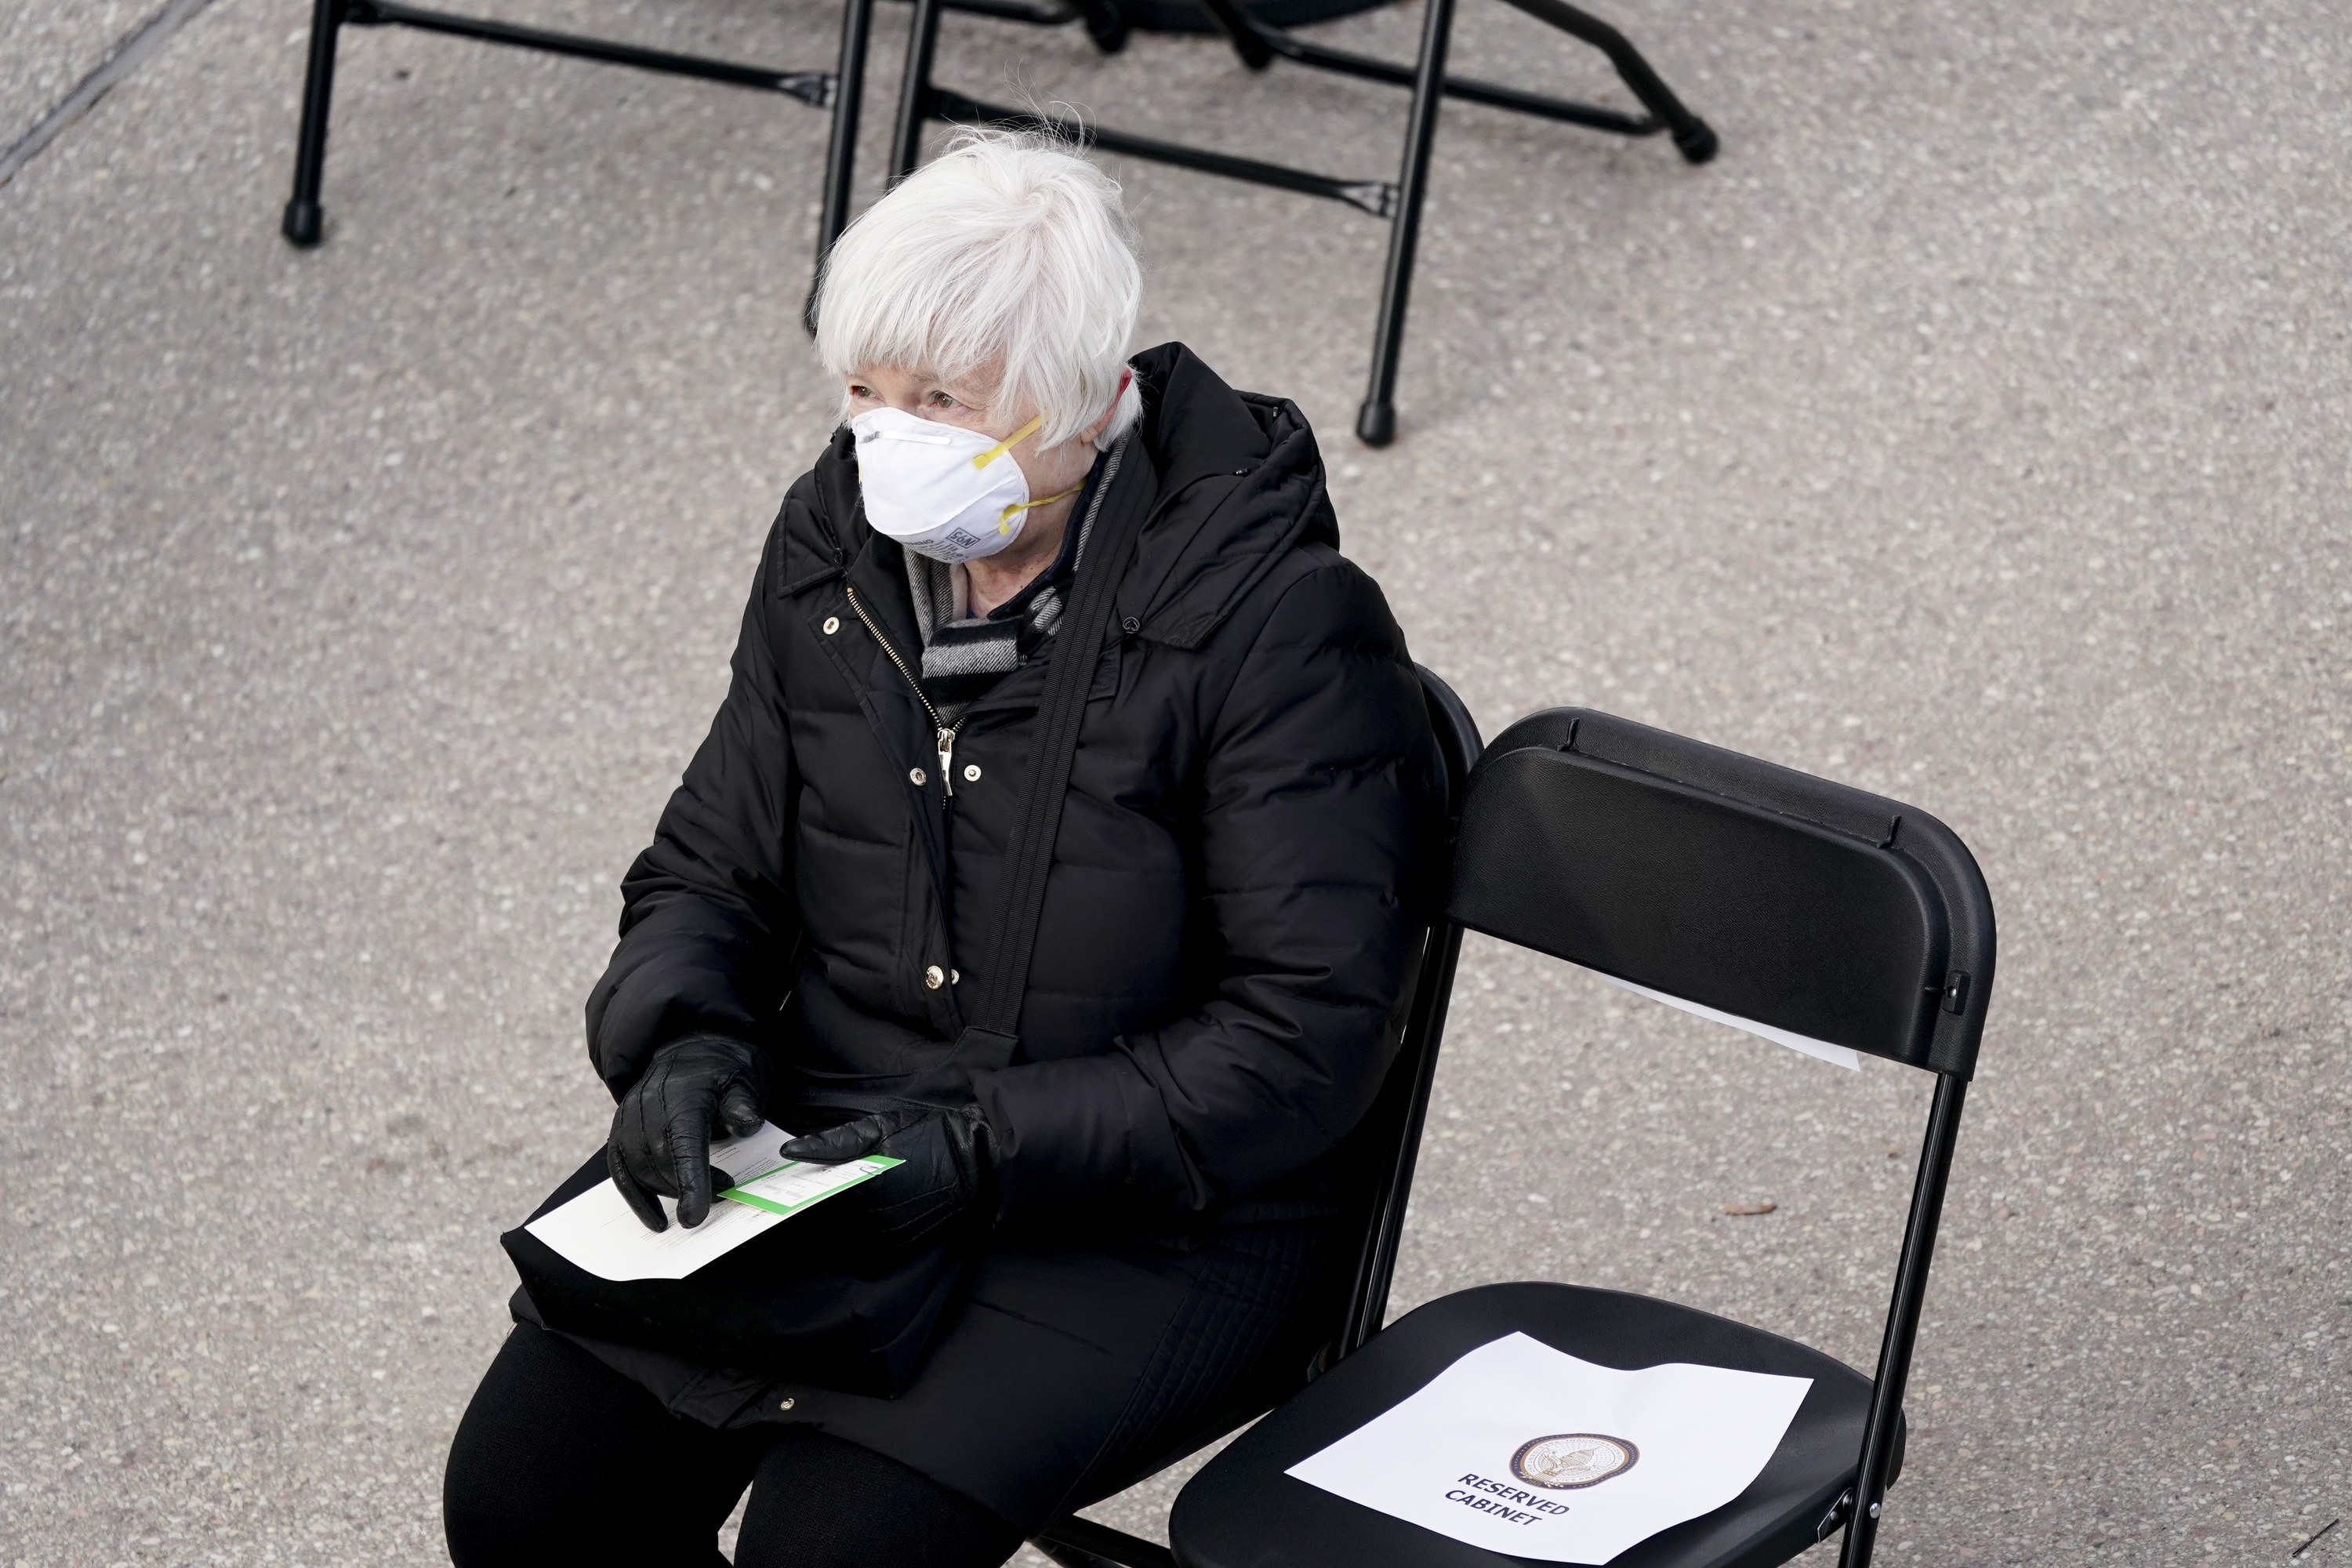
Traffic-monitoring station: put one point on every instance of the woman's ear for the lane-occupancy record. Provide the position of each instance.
(1093, 432)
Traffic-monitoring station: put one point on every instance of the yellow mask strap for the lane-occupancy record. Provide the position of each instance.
(1008, 443)
(1004, 519)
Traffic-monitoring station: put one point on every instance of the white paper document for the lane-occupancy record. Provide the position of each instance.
(1845, 1056)
(1524, 1450)
(599, 1232)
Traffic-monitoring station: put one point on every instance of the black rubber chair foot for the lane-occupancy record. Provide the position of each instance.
(1108, 37)
(1697, 142)
(1105, 24)
(305, 224)
(1376, 423)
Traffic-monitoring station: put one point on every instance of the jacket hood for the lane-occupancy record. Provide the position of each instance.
(1237, 483)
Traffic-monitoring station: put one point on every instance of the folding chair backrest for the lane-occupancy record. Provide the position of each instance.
(1390, 1131)
(1745, 887)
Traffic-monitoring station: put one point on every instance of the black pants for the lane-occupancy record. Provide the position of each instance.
(560, 1459)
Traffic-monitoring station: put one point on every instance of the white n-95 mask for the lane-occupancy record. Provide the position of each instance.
(939, 489)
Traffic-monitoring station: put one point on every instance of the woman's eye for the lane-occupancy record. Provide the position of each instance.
(941, 400)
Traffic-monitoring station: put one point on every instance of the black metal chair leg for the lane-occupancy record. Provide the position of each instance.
(1248, 42)
(915, 91)
(1880, 1440)
(304, 223)
(1692, 135)
(1376, 421)
(1106, 25)
(841, 155)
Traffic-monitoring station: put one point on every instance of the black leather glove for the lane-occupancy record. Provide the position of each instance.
(661, 1134)
(949, 1156)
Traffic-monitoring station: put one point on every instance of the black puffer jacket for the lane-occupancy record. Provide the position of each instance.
(1235, 893)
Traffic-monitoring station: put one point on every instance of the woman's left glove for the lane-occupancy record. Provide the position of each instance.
(661, 1134)
(949, 1156)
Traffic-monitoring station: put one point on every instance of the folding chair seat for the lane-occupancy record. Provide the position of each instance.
(1244, 1510)
(1755, 890)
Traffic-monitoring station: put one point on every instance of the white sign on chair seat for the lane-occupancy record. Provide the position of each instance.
(1521, 1448)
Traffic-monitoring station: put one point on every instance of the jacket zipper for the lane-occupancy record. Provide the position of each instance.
(946, 733)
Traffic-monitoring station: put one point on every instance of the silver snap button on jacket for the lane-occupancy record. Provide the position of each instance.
(832, 625)
(915, 775)
(934, 977)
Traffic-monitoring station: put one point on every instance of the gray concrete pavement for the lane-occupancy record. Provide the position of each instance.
(1975, 429)
(46, 47)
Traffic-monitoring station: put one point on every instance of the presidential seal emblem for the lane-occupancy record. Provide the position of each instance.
(1572, 1460)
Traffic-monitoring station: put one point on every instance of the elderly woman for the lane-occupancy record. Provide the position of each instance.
(1157, 1162)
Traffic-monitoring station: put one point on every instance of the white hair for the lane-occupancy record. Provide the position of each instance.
(1008, 259)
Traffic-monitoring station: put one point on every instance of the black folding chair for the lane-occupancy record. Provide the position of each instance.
(1259, 44)
(839, 89)
(1754, 890)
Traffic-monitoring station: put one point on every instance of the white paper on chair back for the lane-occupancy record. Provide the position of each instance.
(1524, 1450)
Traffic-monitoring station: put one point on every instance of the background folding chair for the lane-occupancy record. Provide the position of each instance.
(1259, 44)
(1754, 890)
(304, 223)
(840, 89)
(1388, 1140)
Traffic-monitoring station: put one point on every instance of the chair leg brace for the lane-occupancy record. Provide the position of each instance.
(1076, 1543)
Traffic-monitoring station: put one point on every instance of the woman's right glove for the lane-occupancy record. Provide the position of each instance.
(662, 1130)
(949, 1154)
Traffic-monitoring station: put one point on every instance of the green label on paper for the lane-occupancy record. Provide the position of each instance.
(796, 1185)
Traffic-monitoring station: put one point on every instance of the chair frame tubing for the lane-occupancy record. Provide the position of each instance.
(1902, 1332)
(1375, 419)
(811, 88)
(1259, 44)
(303, 225)
(1368, 1303)
(841, 147)
(842, 89)
(913, 108)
